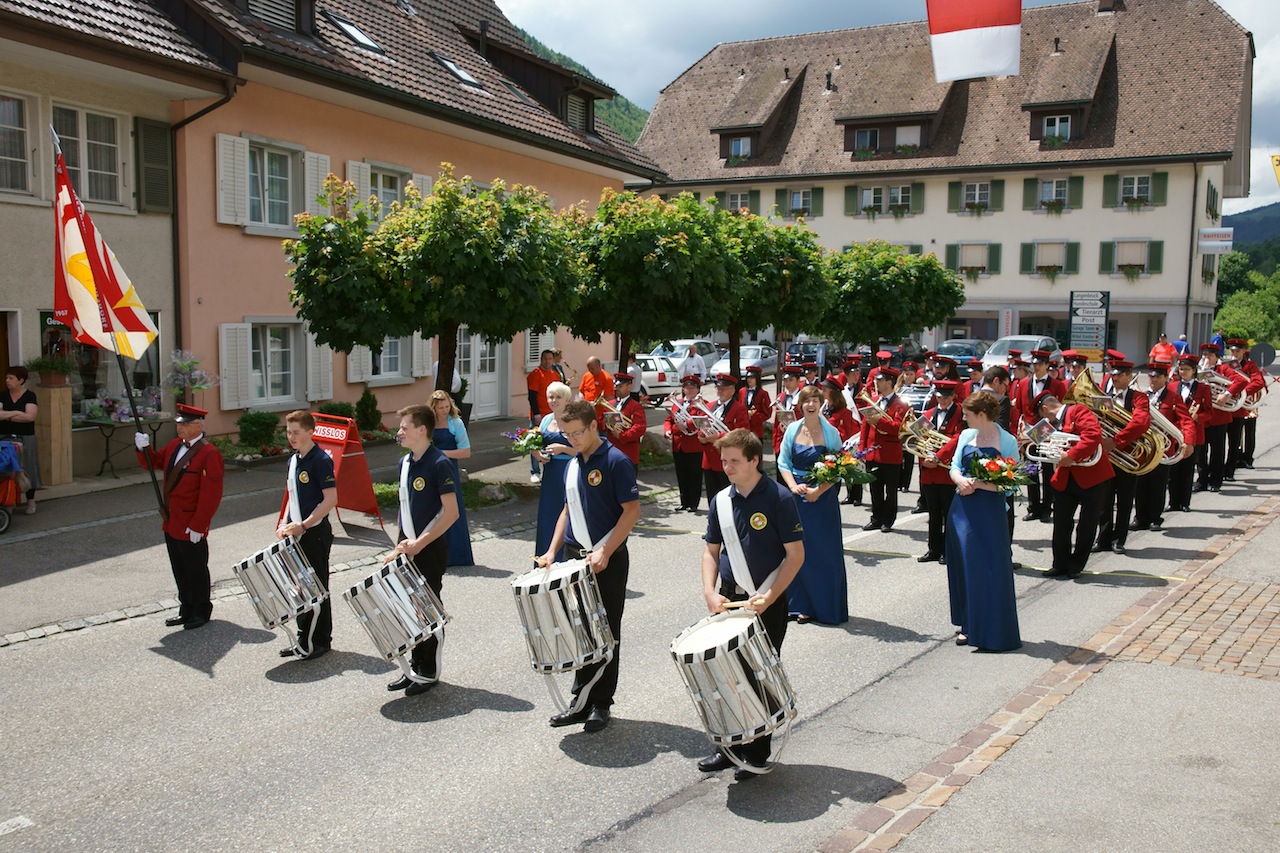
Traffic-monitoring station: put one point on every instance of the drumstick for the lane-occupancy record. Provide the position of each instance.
(744, 602)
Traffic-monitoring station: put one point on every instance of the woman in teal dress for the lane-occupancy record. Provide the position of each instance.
(979, 562)
(451, 437)
(555, 455)
(820, 591)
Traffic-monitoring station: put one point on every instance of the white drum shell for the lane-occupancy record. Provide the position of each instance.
(735, 678)
(563, 617)
(397, 608)
(281, 583)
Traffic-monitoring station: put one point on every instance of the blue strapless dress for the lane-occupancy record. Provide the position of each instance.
(459, 535)
(821, 588)
(551, 496)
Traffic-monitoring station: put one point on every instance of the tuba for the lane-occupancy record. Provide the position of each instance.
(1220, 384)
(1145, 453)
(919, 438)
(1172, 437)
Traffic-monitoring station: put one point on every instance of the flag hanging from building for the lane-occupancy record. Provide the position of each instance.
(92, 295)
(975, 38)
(1275, 164)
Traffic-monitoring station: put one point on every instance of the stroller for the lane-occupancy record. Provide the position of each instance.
(13, 483)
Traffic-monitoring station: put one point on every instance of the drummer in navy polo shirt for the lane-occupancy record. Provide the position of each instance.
(604, 481)
(312, 492)
(428, 506)
(767, 524)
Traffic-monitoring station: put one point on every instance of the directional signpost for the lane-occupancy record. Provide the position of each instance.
(1089, 313)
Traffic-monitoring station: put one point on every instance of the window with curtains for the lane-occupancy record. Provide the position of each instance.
(91, 148)
(273, 362)
(271, 186)
(15, 148)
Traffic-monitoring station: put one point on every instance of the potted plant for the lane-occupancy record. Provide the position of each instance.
(899, 210)
(1053, 141)
(870, 210)
(1049, 271)
(186, 376)
(907, 150)
(863, 153)
(1131, 271)
(1054, 206)
(1134, 203)
(972, 273)
(53, 369)
(976, 207)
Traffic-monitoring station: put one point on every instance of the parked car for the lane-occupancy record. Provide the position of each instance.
(916, 395)
(659, 378)
(908, 350)
(999, 351)
(678, 352)
(827, 354)
(766, 358)
(964, 350)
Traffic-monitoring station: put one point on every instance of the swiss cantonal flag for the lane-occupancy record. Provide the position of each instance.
(975, 38)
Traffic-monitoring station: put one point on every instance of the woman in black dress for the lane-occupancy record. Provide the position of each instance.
(18, 418)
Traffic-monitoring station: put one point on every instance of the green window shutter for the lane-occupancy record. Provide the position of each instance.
(698, 197)
(1160, 188)
(1110, 190)
(1027, 259)
(815, 201)
(851, 200)
(1075, 192)
(993, 258)
(1107, 257)
(917, 198)
(664, 196)
(1030, 193)
(753, 201)
(155, 166)
(1073, 259)
(782, 202)
(954, 191)
(997, 195)
(953, 256)
(1155, 256)
(722, 199)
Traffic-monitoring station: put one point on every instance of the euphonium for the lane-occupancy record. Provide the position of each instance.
(1220, 384)
(1053, 448)
(919, 438)
(1172, 437)
(1144, 454)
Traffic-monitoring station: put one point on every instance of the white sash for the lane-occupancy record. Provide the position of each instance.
(295, 509)
(733, 546)
(576, 514)
(406, 517)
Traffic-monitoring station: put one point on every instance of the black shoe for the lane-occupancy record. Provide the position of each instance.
(885, 528)
(1046, 518)
(871, 525)
(1117, 548)
(195, 622)
(1100, 547)
(597, 719)
(929, 557)
(417, 688)
(288, 652)
(1137, 526)
(1059, 573)
(962, 640)
(1172, 508)
(802, 619)
(569, 718)
(1031, 516)
(1229, 478)
(1215, 488)
(848, 501)
(1248, 466)
(917, 509)
(318, 651)
(400, 683)
(857, 502)
(1156, 525)
(1200, 487)
(175, 621)
(713, 763)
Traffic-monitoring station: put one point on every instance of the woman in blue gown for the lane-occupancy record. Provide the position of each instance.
(820, 591)
(979, 563)
(451, 437)
(555, 461)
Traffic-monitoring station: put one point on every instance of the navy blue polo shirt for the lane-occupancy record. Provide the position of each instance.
(315, 474)
(430, 476)
(766, 520)
(606, 481)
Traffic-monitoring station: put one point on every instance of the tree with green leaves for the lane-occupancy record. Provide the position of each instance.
(883, 293)
(1235, 274)
(1253, 314)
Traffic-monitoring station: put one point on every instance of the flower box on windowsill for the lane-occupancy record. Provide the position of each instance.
(977, 208)
(736, 160)
(1131, 272)
(1049, 271)
(899, 210)
(1135, 203)
(797, 212)
(972, 273)
(1054, 206)
(1053, 142)
(1208, 278)
(863, 153)
(871, 212)
(907, 150)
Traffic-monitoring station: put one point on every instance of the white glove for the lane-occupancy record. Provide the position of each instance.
(141, 440)
(195, 537)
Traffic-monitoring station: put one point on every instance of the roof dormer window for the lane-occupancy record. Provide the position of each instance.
(740, 146)
(351, 31)
(457, 70)
(576, 112)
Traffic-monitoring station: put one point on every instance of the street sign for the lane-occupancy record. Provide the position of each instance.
(1089, 313)
(1097, 313)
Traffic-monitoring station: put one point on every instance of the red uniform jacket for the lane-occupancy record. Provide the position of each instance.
(1139, 407)
(952, 427)
(1199, 392)
(1257, 384)
(681, 441)
(884, 434)
(1084, 423)
(1239, 382)
(734, 416)
(628, 440)
(1021, 398)
(842, 420)
(192, 496)
(759, 409)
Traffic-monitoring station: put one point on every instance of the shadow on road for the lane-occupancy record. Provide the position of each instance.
(1125, 578)
(631, 743)
(798, 792)
(294, 671)
(480, 571)
(203, 648)
(884, 632)
(451, 700)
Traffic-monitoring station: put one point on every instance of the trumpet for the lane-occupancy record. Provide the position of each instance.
(610, 408)
(1145, 453)
(712, 426)
(919, 438)
(1053, 447)
(863, 401)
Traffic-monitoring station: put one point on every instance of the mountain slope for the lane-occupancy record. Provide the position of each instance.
(1255, 226)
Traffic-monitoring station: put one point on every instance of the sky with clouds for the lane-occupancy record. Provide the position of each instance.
(637, 48)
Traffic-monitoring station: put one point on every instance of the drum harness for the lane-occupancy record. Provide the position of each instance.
(295, 514)
(410, 532)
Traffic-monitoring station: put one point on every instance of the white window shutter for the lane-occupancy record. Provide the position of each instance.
(319, 370)
(234, 359)
(535, 343)
(362, 176)
(359, 364)
(316, 168)
(233, 180)
(421, 356)
(422, 182)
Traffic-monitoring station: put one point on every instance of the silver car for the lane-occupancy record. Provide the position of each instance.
(764, 357)
(678, 352)
(999, 351)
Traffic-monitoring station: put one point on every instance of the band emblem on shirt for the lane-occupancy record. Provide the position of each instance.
(419, 484)
(758, 521)
(594, 478)
(304, 478)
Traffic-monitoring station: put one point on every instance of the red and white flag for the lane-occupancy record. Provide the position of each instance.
(92, 295)
(975, 38)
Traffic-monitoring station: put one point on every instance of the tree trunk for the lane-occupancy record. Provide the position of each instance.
(448, 354)
(781, 341)
(735, 347)
(624, 349)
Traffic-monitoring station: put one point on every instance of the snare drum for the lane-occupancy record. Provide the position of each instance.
(734, 677)
(397, 608)
(281, 583)
(563, 617)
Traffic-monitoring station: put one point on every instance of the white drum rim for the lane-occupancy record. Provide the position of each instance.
(715, 620)
(558, 575)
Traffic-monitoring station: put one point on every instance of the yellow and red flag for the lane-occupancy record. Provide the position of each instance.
(92, 295)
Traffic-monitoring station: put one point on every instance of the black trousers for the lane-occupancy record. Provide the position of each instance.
(884, 492)
(190, 564)
(1250, 442)
(1148, 498)
(716, 481)
(1212, 457)
(937, 501)
(775, 626)
(689, 478)
(316, 544)
(1182, 478)
(1040, 493)
(613, 595)
(908, 465)
(1069, 557)
(1235, 447)
(430, 562)
(1117, 509)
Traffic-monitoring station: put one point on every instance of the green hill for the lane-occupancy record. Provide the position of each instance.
(620, 114)
(1255, 226)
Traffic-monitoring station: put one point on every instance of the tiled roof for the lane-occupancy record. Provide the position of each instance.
(406, 68)
(133, 24)
(1174, 86)
(756, 94)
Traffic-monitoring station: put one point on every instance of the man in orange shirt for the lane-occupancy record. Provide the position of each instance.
(596, 382)
(537, 381)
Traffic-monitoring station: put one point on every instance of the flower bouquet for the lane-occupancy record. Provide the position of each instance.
(1004, 472)
(525, 441)
(842, 465)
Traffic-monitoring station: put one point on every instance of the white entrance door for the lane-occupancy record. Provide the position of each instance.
(481, 363)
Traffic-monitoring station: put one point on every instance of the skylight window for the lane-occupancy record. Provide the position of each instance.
(457, 70)
(351, 30)
(513, 90)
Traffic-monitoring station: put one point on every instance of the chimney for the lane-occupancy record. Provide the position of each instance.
(484, 38)
(786, 72)
(1057, 45)
(828, 81)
